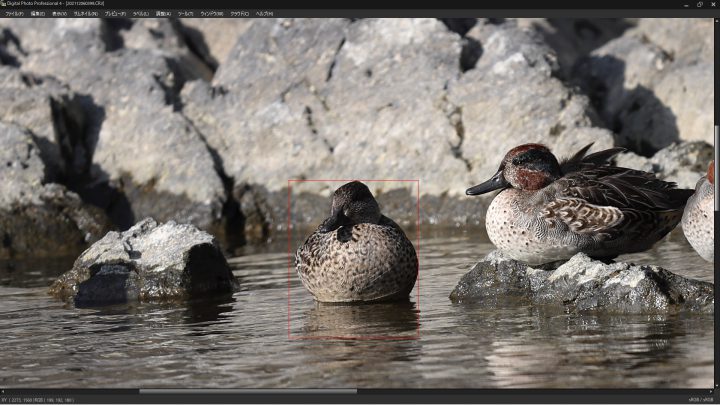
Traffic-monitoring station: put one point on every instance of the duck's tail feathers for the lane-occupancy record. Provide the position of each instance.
(579, 160)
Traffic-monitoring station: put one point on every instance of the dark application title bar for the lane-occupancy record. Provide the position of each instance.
(366, 5)
(285, 7)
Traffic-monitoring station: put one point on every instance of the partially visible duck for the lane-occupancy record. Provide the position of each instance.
(357, 254)
(548, 210)
(698, 221)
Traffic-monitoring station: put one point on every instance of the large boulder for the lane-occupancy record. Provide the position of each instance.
(39, 219)
(331, 99)
(651, 84)
(148, 262)
(512, 96)
(583, 284)
(140, 156)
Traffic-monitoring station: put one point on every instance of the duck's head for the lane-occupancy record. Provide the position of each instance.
(526, 167)
(353, 203)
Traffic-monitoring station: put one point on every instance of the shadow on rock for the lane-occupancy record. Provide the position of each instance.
(638, 118)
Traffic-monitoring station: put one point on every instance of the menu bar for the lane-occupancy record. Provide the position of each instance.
(10, 12)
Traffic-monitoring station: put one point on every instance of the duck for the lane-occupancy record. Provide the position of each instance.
(547, 211)
(357, 254)
(698, 221)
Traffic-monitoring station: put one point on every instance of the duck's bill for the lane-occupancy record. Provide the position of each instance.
(496, 182)
(334, 222)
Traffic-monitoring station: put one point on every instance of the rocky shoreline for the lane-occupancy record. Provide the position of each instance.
(205, 121)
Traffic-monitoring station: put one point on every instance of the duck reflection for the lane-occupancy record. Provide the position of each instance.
(360, 345)
(368, 321)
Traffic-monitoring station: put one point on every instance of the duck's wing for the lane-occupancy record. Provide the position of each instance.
(602, 199)
(581, 216)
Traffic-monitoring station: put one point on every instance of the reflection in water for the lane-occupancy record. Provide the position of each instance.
(534, 345)
(206, 311)
(31, 272)
(242, 340)
(377, 320)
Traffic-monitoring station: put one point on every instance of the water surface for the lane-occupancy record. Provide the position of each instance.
(251, 339)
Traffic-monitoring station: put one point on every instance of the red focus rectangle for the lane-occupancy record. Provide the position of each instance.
(291, 271)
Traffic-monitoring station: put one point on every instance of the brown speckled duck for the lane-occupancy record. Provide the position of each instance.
(357, 254)
(548, 211)
(698, 221)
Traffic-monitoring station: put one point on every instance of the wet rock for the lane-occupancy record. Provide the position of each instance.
(649, 85)
(148, 262)
(39, 219)
(683, 163)
(583, 284)
(265, 212)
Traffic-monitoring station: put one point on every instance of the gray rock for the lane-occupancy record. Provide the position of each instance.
(512, 97)
(573, 38)
(148, 262)
(39, 219)
(335, 102)
(684, 38)
(684, 90)
(49, 111)
(650, 84)
(141, 156)
(683, 163)
(214, 38)
(583, 284)
(128, 118)
(166, 37)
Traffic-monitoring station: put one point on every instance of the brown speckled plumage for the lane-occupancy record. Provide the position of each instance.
(361, 256)
(549, 211)
(698, 221)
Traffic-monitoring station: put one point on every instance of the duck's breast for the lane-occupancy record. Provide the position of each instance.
(362, 262)
(515, 225)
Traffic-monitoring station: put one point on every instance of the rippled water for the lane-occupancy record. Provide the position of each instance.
(243, 340)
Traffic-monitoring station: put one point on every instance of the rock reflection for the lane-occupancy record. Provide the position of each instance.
(531, 347)
(201, 312)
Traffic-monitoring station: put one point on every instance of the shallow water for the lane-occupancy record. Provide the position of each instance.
(243, 340)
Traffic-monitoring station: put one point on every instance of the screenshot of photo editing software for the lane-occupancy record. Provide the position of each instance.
(503, 202)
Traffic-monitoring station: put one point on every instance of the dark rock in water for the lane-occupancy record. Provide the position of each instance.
(148, 262)
(582, 284)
